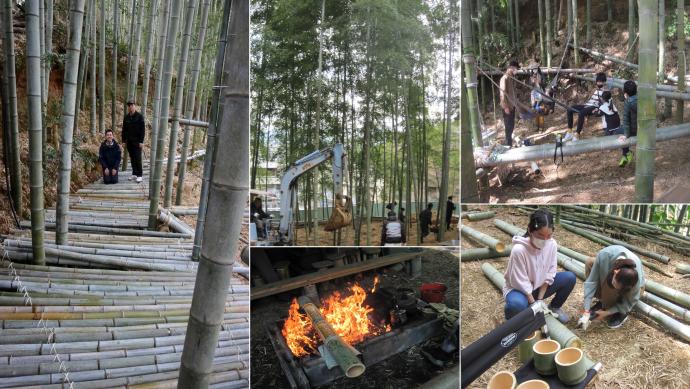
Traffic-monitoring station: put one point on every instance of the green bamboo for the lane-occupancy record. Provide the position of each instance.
(469, 60)
(83, 64)
(588, 22)
(13, 130)
(476, 216)
(680, 49)
(191, 97)
(481, 253)
(33, 72)
(516, 11)
(68, 110)
(646, 117)
(113, 70)
(227, 197)
(483, 238)
(576, 53)
(542, 42)
(631, 24)
(93, 76)
(178, 101)
(162, 40)
(164, 110)
(468, 179)
(683, 268)
(101, 73)
(152, 19)
(211, 134)
(549, 31)
(134, 77)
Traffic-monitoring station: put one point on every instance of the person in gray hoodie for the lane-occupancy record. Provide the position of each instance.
(531, 274)
(615, 277)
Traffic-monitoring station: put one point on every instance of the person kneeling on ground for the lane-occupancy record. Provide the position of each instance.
(629, 120)
(425, 220)
(585, 109)
(109, 155)
(392, 231)
(615, 277)
(531, 273)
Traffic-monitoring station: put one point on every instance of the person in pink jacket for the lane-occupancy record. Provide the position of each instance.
(531, 275)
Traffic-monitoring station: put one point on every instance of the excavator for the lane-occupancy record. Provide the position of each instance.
(341, 214)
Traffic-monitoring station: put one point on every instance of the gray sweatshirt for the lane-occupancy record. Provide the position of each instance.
(602, 266)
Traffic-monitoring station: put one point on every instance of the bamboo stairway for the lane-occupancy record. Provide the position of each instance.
(110, 308)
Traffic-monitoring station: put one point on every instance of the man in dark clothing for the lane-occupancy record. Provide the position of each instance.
(425, 220)
(257, 216)
(450, 207)
(402, 215)
(629, 127)
(392, 231)
(109, 155)
(133, 134)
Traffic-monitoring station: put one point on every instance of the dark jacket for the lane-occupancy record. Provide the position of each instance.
(450, 207)
(253, 210)
(425, 218)
(630, 117)
(133, 128)
(110, 155)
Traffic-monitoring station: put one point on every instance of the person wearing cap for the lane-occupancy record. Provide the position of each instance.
(615, 277)
(133, 134)
(392, 231)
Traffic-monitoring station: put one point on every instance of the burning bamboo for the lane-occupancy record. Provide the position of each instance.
(344, 354)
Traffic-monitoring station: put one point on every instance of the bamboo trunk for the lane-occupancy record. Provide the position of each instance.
(478, 236)
(646, 119)
(469, 60)
(151, 22)
(481, 253)
(101, 73)
(542, 42)
(476, 216)
(549, 31)
(576, 53)
(682, 63)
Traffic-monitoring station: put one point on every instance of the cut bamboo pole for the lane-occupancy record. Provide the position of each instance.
(483, 238)
(476, 216)
(476, 254)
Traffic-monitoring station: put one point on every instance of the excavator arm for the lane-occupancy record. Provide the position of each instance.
(288, 184)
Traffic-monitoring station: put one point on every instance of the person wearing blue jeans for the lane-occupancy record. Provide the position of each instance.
(531, 273)
(563, 284)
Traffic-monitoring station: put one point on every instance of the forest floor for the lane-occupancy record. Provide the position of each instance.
(641, 354)
(404, 370)
(591, 177)
(348, 235)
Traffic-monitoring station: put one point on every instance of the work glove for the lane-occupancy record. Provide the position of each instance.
(539, 305)
(583, 322)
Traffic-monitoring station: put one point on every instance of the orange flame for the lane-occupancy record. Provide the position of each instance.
(347, 315)
(376, 283)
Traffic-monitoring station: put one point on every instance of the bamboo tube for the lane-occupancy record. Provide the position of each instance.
(475, 216)
(478, 236)
(677, 310)
(170, 220)
(683, 268)
(117, 231)
(661, 258)
(476, 254)
(598, 144)
(343, 353)
(191, 122)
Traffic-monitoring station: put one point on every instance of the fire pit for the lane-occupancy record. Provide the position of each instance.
(352, 330)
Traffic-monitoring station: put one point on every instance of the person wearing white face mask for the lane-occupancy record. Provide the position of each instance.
(531, 274)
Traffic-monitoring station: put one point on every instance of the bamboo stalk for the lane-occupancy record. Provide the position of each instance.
(476, 254)
(478, 236)
(476, 216)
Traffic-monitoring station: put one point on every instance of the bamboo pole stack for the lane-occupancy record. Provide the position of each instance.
(113, 301)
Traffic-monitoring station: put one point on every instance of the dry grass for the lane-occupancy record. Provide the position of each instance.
(640, 355)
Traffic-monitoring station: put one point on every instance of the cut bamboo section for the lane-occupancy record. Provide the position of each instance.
(483, 238)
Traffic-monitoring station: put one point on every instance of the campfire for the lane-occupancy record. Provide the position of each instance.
(350, 315)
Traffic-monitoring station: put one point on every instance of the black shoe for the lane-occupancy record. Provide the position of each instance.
(617, 320)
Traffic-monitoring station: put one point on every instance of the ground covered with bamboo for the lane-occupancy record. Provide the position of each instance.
(406, 369)
(640, 354)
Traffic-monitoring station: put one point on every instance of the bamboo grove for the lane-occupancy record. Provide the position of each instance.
(491, 34)
(104, 53)
(375, 76)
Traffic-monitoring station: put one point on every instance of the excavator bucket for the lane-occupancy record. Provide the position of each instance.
(340, 217)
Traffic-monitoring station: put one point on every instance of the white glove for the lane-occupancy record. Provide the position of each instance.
(583, 322)
(539, 305)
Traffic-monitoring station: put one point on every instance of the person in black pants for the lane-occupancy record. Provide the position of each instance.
(109, 155)
(450, 207)
(586, 109)
(133, 134)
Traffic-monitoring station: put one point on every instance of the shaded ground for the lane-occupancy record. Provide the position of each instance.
(407, 369)
(591, 177)
(639, 355)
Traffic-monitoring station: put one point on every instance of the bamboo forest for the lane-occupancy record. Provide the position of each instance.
(354, 121)
(574, 101)
(117, 203)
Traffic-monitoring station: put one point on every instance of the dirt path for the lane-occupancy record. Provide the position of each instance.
(640, 355)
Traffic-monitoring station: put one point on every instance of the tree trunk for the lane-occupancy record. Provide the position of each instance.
(662, 42)
(680, 31)
(152, 31)
(609, 9)
(33, 77)
(558, 19)
(549, 31)
(317, 129)
(48, 42)
(94, 59)
(509, 23)
(516, 10)
(588, 22)
(191, 97)
(576, 52)
(471, 75)
(162, 41)
(175, 11)
(211, 133)
(646, 119)
(13, 118)
(684, 207)
(542, 42)
(631, 24)
(83, 63)
(101, 73)
(445, 167)
(69, 98)
(177, 102)
(113, 92)
(136, 49)
(468, 179)
(226, 207)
